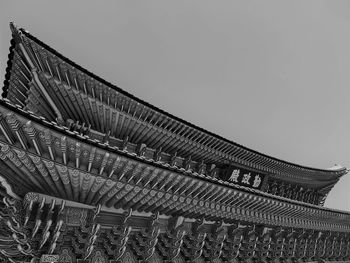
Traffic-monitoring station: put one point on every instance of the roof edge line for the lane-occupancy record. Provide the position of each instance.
(131, 96)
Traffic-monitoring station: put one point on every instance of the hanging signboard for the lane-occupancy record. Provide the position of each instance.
(243, 177)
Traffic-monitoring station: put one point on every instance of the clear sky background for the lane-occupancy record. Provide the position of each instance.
(271, 75)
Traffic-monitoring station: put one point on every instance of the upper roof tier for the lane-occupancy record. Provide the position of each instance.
(63, 90)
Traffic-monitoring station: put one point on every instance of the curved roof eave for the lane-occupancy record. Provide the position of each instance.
(337, 173)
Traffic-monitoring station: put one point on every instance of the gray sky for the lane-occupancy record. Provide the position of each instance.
(271, 75)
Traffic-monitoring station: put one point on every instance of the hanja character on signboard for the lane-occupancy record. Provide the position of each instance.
(257, 181)
(234, 176)
(246, 178)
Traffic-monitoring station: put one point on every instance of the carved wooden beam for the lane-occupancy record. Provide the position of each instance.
(117, 238)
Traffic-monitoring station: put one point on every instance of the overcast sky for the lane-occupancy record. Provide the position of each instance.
(271, 75)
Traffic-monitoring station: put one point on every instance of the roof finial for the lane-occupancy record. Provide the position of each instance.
(13, 27)
(15, 32)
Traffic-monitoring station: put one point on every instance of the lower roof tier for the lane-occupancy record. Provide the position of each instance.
(40, 156)
(42, 228)
(37, 139)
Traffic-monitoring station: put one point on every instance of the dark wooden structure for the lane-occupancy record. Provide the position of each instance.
(90, 173)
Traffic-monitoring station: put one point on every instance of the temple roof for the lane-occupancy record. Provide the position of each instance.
(90, 173)
(74, 92)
